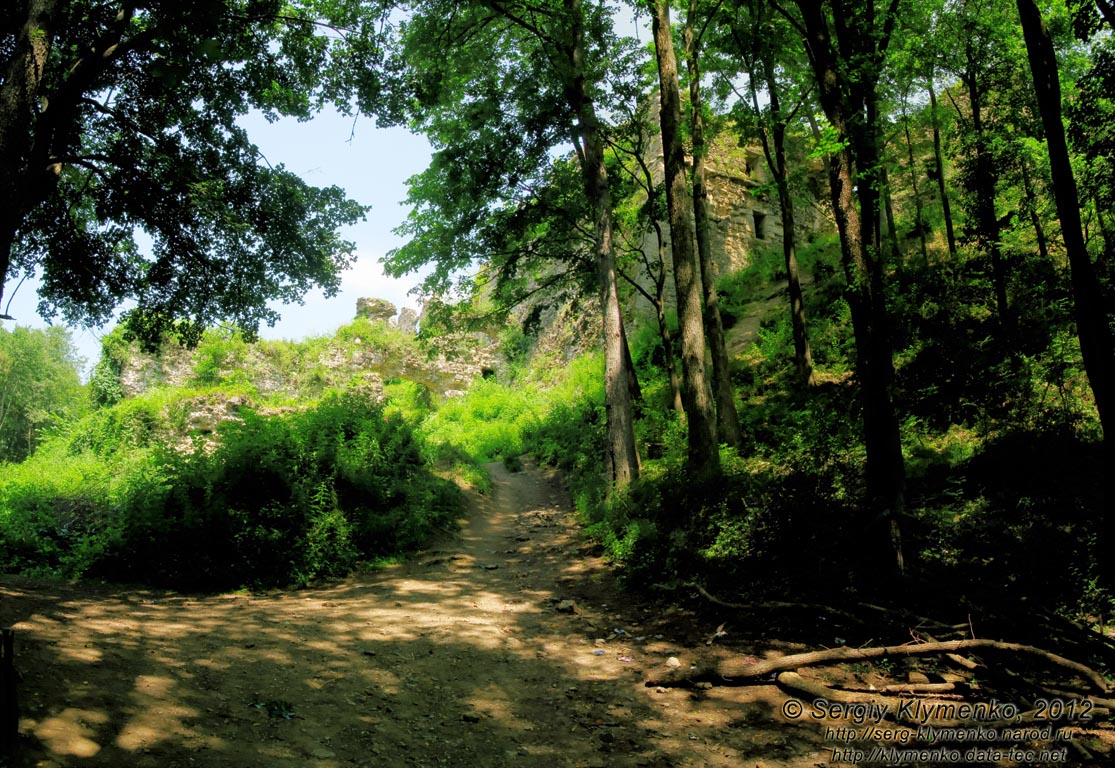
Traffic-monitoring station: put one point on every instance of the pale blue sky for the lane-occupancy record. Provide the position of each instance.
(371, 164)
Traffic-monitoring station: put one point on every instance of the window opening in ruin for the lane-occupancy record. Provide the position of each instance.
(760, 226)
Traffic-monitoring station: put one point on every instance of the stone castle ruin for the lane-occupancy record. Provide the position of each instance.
(446, 372)
(744, 215)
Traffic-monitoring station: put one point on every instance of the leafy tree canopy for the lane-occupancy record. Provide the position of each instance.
(39, 386)
(118, 127)
(489, 85)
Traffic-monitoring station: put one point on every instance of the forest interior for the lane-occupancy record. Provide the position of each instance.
(756, 411)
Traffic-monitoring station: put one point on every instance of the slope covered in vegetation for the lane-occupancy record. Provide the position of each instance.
(1002, 446)
(209, 484)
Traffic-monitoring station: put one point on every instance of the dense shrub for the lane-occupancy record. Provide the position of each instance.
(487, 422)
(278, 499)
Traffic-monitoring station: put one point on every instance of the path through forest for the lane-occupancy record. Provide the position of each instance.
(468, 655)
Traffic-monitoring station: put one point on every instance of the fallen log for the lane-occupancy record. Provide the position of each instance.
(743, 672)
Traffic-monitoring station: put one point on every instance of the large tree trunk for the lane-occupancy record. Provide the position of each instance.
(20, 90)
(939, 158)
(622, 456)
(851, 110)
(727, 418)
(1096, 345)
(704, 449)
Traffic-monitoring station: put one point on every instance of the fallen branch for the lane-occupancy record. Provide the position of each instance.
(956, 658)
(923, 688)
(776, 605)
(812, 691)
(741, 672)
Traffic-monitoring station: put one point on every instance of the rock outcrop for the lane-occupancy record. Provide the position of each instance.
(375, 309)
(407, 321)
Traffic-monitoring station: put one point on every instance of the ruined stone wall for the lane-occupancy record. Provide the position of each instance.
(446, 372)
(744, 215)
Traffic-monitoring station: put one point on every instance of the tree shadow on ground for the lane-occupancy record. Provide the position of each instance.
(460, 657)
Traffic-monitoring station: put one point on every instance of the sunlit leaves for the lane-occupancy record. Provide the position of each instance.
(139, 113)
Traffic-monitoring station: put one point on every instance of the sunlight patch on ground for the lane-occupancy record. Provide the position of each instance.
(70, 732)
(158, 715)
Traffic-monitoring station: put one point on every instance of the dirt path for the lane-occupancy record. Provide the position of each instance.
(466, 656)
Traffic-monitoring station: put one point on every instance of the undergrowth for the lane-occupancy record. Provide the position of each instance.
(276, 499)
(1001, 444)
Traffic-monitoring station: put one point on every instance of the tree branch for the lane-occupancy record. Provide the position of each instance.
(740, 672)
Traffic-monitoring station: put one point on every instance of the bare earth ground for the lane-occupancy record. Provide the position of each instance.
(468, 655)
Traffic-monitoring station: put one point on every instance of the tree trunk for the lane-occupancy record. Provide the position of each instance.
(888, 210)
(1032, 207)
(987, 221)
(658, 300)
(1096, 345)
(20, 89)
(633, 386)
(727, 418)
(852, 111)
(664, 327)
(939, 158)
(622, 456)
(919, 209)
(668, 355)
(704, 453)
(776, 159)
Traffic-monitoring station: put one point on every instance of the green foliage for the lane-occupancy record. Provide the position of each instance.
(60, 510)
(767, 269)
(1091, 119)
(377, 334)
(39, 387)
(570, 433)
(105, 387)
(145, 138)
(104, 383)
(987, 521)
(279, 499)
(219, 357)
(487, 422)
(975, 414)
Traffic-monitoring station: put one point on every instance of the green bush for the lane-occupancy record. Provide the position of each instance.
(219, 357)
(61, 512)
(486, 423)
(279, 499)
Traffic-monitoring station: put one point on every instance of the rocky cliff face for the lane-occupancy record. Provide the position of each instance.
(382, 349)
